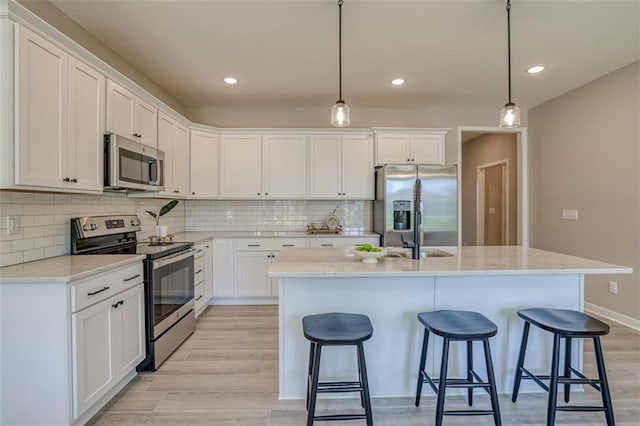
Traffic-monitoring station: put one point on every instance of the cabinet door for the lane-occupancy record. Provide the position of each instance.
(166, 136)
(181, 160)
(285, 166)
(251, 278)
(427, 149)
(223, 267)
(86, 126)
(41, 81)
(241, 166)
(204, 165)
(129, 330)
(145, 123)
(357, 167)
(208, 271)
(392, 149)
(120, 110)
(324, 167)
(93, 366)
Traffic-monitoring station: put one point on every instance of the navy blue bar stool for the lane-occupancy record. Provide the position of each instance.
(458, 326)
(337, 329)
(566, 324)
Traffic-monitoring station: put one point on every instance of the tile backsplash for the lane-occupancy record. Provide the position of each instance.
(44, 218)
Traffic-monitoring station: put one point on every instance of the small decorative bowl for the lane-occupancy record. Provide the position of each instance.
(370, 256)
(316, 225)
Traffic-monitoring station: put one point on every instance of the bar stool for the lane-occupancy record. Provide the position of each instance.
(565, 324)
(458, 326)
(337, 329)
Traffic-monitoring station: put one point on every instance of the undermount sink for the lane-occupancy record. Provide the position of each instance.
(434, 253)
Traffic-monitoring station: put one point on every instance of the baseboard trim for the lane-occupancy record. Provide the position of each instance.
(613, 316)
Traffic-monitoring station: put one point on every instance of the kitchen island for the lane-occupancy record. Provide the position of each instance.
(495, 281)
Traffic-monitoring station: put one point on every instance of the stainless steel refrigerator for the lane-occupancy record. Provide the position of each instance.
(393, 208)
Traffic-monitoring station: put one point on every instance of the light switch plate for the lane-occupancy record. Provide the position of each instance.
(569, 214)
(13, 225)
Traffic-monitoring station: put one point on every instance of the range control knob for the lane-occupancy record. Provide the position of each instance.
(85, 227)
(94, 226)
(135, 222)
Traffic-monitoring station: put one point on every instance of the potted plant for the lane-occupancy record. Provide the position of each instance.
(162, 230)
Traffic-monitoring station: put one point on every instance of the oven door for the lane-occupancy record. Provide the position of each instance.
(172, 290)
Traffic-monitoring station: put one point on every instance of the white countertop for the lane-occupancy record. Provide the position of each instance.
(200, 236)
(65, 268)
(476, 260)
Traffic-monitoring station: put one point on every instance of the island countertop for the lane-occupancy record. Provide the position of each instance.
(468, 260)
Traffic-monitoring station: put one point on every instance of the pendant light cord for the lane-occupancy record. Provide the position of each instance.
(508, 44)
(340, 50)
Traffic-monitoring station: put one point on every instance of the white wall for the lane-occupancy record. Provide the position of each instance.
(585, 155)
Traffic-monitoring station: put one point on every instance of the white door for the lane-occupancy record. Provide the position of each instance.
(252, 273)
(427, 149)
(223, 268)
(324, 167)
(145, 122)
(181, 160)
(285, 166)
(129, 329)
(204, 165)
(41, 80)
(241, 166)
(392, 149)
(165, 144)
(93, 372)
(120, 110)
(86, 126)
(357, 167)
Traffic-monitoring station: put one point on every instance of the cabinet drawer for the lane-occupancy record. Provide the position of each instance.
(198, 269)
(199, 296)
(103, 286)
(342, 241)
(198, 251)
(270, 244)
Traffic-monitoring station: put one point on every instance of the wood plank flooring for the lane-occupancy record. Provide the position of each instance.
(226, 373)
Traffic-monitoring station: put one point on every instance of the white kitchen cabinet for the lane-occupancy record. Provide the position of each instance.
(204, 164)
(284, 165)
(419, 146)
(173, 140)
(241, 166)
(223, 267)
(251, 273)
(130, 116)
(203, 276)
(60, 117)
(344, 242)
(341, 166)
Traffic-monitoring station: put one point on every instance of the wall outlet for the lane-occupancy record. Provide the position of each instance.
(492, 210)
(569, 214)
(13, 225)
(613, 287)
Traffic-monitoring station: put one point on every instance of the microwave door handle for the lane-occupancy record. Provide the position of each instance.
(150, 163)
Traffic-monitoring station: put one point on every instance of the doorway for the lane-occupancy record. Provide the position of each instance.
(492, 186)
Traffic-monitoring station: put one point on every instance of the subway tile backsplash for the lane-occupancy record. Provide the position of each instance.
(44, 218)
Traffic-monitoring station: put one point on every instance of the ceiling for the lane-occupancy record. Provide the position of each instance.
(285, 53)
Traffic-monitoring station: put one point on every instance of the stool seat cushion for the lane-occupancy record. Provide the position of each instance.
(458, 325)
(337, 328)
(564, 322)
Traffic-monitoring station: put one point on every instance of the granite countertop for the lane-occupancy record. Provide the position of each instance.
(65, 268)
(477, 260)
(200, 236)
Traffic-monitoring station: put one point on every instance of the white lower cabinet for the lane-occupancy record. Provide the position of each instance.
(203, 276)
(223, 267)
(251, 273)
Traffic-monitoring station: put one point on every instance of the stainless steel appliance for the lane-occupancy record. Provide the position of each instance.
(130, 165)
(394, 216)
(168, 278)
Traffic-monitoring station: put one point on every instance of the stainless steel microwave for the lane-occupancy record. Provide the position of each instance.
(132, 166)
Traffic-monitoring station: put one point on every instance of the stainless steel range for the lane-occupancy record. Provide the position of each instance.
(168, 277)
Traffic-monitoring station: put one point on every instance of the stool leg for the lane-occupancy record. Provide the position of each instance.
(523, 349)
(314, 385)
(553, 382)
(423, 361)
(493, 392)
(360, 378)
(469, 368)
(604, 386)
(567, 367)
(442, 383)
(365, 384)
(312, 347)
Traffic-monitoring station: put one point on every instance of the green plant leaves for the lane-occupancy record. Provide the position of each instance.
(168, 207)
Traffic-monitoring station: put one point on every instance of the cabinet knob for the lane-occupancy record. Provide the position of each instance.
(74, 180)
(413, 159)
(258, 193)
(193, 193)
(408, 159)
(266, 193)
(66, 179)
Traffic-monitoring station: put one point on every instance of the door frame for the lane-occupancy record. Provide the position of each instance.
(523, 177)
(480, 195)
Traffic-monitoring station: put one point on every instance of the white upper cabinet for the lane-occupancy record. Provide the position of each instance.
(130, 116)
(60, 110)
(419, 146)
(284, 166)
(173, 140)
(204, 164)
(241, 166)
(341, 166)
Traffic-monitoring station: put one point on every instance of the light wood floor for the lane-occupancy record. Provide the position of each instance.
(226, 373)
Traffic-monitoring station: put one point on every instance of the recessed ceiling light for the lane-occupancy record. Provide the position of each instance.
(230, 80)
(397, 81)
(536, 69)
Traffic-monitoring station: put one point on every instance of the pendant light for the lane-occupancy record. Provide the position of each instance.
(510, 114)
(340, 111)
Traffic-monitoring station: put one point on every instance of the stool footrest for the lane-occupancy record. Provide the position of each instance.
(467, 412)
(580, 408)
(330, 387)
(537, 379)
(334, 417)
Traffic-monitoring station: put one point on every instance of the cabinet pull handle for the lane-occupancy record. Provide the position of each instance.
(176, 191)
(326, 245)
(115, 305)
(105, 288)
(198, 271)
(199, 251)
(288, 245)
(199, 297)
(131, 278)
(253, 245)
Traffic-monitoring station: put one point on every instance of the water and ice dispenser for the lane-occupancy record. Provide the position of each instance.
(402, 215)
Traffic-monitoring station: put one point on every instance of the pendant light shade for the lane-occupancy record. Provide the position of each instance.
(510, 114)
(340, 116)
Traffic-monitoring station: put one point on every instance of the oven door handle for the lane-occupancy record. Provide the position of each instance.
(168, 260)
